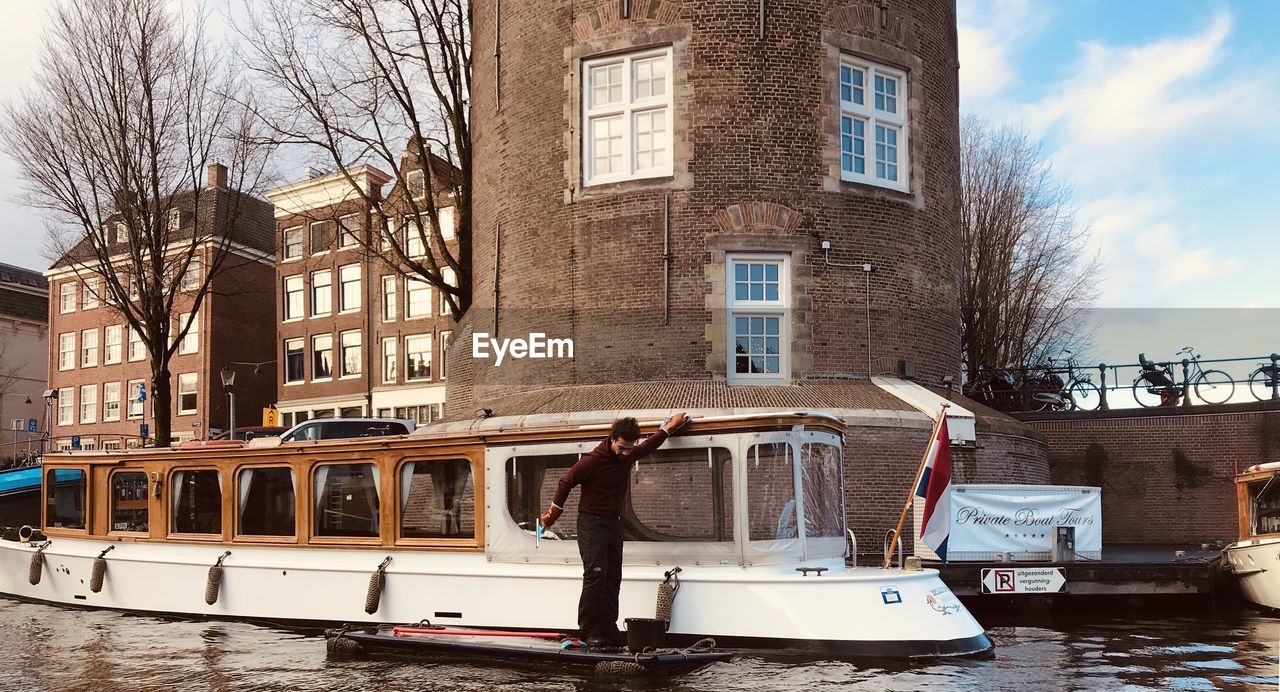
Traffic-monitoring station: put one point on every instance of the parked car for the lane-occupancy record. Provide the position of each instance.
(250, 432)
(335, 428)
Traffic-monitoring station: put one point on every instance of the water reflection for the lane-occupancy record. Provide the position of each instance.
(50, 648)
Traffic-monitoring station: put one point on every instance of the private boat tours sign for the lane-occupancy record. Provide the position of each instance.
(989, 522)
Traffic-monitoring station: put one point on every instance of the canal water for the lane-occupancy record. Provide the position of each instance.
(51, 648)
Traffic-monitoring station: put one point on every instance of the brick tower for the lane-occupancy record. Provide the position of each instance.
(726, 205)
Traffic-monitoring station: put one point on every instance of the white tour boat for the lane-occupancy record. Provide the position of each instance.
(438, 525)
(1255, 558)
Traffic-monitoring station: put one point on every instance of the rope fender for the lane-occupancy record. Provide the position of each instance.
(377, 580)
(637, 666)
(667, 594)
(37, 564)
(99, 570)
(214, 582)
(341, 645)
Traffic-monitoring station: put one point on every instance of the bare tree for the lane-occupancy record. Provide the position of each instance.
(131, 107)
(1028, 275)
(383, 82)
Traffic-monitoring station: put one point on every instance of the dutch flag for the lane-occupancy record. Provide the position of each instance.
(935, 488)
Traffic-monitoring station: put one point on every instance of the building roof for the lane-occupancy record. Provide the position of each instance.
(31, 278)
(24, 294)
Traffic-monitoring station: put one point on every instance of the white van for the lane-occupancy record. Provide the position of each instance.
(335, 428)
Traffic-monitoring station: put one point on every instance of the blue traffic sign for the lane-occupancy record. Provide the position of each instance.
(142, 393)
(31, 426)
(75, 442)
(143, 430)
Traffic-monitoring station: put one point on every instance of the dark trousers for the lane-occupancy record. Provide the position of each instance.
(600, 544)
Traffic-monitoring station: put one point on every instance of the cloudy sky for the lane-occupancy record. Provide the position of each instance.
(1156, 112)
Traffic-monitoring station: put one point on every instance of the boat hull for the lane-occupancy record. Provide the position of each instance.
(846, 611)
(1256, 565)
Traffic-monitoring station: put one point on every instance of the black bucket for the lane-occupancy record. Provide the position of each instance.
(646, 633)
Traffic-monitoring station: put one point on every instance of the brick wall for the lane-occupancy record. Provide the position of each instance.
(1165, 477)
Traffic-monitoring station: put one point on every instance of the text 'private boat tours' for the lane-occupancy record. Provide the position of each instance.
(1255, 558)
(439, 525)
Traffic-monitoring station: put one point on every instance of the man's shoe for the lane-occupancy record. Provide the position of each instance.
(596, 641)
(615, 638)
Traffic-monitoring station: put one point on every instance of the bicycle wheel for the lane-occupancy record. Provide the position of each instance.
(1145, 392)
(1084, 396)
(1260, 383)
(1214, 387)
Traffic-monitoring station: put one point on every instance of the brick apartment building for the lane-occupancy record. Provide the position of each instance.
(98, 364)
(356, 336)
(24, 348)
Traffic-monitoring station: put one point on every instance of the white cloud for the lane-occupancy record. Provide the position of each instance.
(990, 32)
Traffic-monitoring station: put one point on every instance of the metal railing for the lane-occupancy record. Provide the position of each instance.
(1030, 388)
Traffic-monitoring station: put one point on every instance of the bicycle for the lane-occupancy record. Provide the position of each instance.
(1156, 384)
(1264, 381)
(1082, 393)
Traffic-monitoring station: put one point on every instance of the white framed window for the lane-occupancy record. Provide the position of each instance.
(135, 289)
(451, 279)
(349, 231)
(187, 393)
(388, 232)
(67, 351)
(175, 220)
(88, 348)
(66, 406)
(417, 357)
(758, 299)
(190, 280)
(321, 357)
(389, 293)
(88, 403)
(873, 124)
(415, 183)
(67, 297)
(112, 338)
(389, 360)
(417, 301)
(444, 351)
(349, 288)
(448, 222)
(134, 409)
(122, 233)
(293, 298)
(321, 292)
(191, 341)
(137, 349)
(416, 237)
(294, 360)
(111, 401)
(92, 290)
(352, 354)
(626, 117)
(321, 237)
(292, 243)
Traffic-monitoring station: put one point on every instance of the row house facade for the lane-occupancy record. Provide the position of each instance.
(356, 336)
(99, 366)
(24, 348)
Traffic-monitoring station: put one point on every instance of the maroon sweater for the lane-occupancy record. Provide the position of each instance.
(604, 477)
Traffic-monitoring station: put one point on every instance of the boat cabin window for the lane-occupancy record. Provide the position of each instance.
(1265, 496)
(64, 498)
(771, 492)
(823, 490)
(437, 500)
(129, 501)
(197, 502)
(346, 500)
(676, 495)
(266, 502)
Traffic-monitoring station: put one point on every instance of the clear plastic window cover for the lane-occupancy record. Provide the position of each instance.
(697, 500)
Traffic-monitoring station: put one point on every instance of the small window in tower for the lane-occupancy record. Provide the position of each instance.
(873, 124)
(626, 116)
(758, 330)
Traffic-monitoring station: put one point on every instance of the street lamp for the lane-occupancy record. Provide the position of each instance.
(228, 381)
(50, 396)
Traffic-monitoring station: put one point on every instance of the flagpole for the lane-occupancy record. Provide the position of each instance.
(912, 492)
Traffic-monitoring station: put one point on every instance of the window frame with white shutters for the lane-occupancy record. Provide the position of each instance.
(293, 305)
(67, 297)
(110, 402)
(88, 403)
(350, 354)
(67, 406)
(134, 408)
(390, 293)
(291, 244)
(112, 344)
(91, 294)
(450, 278)
(319, 290)
(68, 355)
(135, 339)
(758, 308)
(390, 359)
(865, 90)
(190, 342)
(623, 104)
(324, 242)
(412, 286)
(289, 358)
(89, 348)
(348, 231)
(315, 355)
(408, 355)
(445, 336)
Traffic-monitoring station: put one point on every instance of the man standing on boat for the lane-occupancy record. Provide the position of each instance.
(604, 474)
